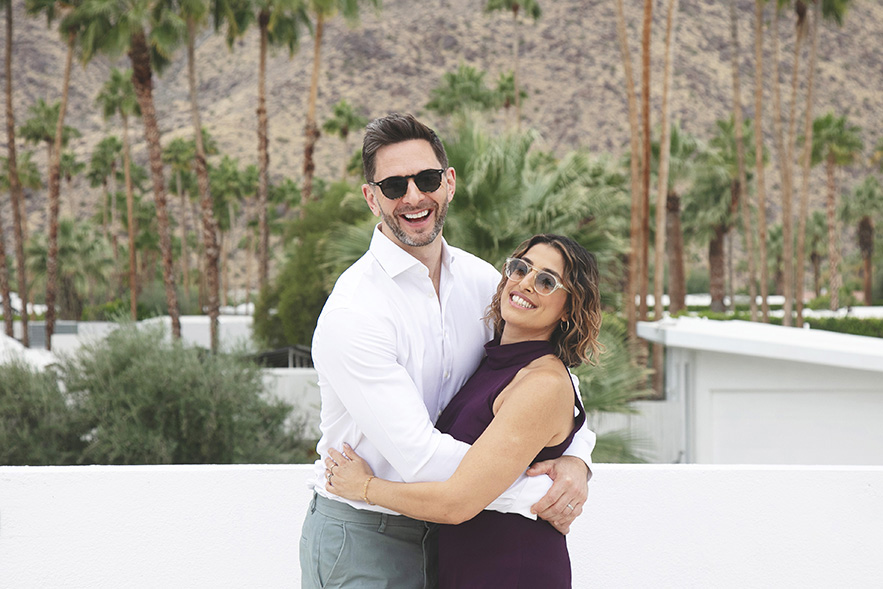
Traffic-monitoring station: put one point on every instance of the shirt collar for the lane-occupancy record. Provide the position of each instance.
(394, 260)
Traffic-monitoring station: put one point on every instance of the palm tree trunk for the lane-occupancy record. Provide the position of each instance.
(834, 280)
(866, 246)
(646, 148)
(788, 222)
(209, 222)
(143, 83)
(312, 129)
(185, 254)
(130, 212)
(677, 282)
(263, 156)
(55, 198)
(634, 260)
(661, 197)
(806, 158)
(717, 269)
(516, 42)
(759, 164)
(15, 190)
(4, 283)
(785, 171)
(816, 261)
(742, 193)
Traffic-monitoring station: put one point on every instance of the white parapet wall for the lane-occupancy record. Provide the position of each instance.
(239, 526)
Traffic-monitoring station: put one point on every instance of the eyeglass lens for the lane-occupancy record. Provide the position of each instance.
(395, 187)
(517, 269)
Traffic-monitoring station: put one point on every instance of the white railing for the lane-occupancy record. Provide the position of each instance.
(239, 526)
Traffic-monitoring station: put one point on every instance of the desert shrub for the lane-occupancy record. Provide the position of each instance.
(35, 421)
(141, 398)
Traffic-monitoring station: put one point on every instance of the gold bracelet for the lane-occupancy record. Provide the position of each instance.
(365, 492)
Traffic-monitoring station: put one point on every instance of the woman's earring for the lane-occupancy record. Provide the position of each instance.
(565, 325)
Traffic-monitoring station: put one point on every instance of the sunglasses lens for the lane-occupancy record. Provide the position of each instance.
(516, 269)
(545, 283)
(394, 187)
(428, 180)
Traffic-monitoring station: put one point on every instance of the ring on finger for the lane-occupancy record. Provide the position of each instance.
(570, 506)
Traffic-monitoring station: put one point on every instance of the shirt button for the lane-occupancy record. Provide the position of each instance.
(447, 374)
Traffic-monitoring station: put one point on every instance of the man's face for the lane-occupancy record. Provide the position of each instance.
(416, 219)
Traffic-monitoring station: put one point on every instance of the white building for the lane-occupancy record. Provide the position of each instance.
(752, 393)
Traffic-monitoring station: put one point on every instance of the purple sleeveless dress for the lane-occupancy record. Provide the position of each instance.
(496, 549)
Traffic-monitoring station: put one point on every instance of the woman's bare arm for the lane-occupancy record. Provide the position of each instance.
(536, 410)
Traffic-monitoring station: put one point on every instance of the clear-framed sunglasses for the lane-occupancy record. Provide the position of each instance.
(545, 283)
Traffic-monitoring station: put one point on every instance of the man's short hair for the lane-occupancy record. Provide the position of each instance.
(396, 128)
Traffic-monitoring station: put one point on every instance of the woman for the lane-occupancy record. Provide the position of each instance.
(518, 408)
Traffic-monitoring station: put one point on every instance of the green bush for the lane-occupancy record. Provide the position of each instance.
(144, 399)
(35, 421)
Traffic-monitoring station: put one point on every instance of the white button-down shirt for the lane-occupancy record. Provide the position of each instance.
(391, 354)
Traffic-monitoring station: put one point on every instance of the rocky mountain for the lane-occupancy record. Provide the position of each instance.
(570, 65)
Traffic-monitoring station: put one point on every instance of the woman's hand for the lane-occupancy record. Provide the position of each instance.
(346, 474)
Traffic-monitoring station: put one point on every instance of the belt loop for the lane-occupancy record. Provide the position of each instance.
(383, 519)
(313, 503)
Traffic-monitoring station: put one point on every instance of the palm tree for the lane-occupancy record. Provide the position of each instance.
(69, 31)
(775, 247)
(322, 11)
(15, 188)
(742, 185)
(661, 196)
(816, 242)
(180, 154)
(344, 120)
(759, 166)
(682, 163)
(84, 261)
(645, 155)
(5, 293)
(712, 202)
(117, 97)
(462, 91)
(102, 170)
(149, 34)
(864, 205)
(280, 23)
(70, 167)
(836, 143)
(530, 9)
(506, 93)
(783, 154)
(635, 164)
(230, 187)
(833, 10)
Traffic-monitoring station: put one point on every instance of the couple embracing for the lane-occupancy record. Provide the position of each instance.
(446, 395)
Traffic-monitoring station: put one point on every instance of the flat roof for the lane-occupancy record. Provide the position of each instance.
(767, 341)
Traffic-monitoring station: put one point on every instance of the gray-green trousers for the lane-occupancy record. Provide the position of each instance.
(344, 547)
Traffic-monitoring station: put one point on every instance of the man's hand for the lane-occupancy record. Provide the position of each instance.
(570, 488)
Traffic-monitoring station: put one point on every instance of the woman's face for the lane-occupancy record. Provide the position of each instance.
(529, 315)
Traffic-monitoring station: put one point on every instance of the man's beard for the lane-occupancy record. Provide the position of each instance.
(394, 224)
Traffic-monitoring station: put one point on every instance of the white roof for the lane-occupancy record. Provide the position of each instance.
(11, 349)
(767, 341)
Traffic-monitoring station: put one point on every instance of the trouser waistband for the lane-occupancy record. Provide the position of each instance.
(348, 513)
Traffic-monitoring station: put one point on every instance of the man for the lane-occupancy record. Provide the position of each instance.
(399, 335)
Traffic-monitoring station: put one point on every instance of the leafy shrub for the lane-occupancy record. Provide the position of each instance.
(35, 421)
(140, 398)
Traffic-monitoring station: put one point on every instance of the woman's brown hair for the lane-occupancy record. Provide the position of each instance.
(575, 340)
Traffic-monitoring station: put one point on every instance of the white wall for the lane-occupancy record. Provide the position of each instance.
(239, 526)
(300, 388)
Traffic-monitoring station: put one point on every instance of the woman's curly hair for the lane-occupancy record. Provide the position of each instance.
(576, 340)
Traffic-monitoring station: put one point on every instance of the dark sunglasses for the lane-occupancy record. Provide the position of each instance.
(395, 187)
(545, 283)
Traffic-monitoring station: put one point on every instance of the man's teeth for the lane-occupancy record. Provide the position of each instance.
(416, 216)
(521, 302)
